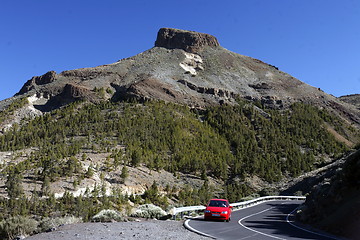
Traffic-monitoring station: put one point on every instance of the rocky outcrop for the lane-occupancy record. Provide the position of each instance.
(85, 73)
(353, 99)
(333, 204)
(72, 91)
(212, 91)
(68, 94)
(187, 40)
(44, 79)
(147, 88)
(38, 80)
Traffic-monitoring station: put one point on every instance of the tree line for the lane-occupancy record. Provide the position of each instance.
(225, 142)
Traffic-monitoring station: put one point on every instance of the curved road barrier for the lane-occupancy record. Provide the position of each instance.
(237, 205)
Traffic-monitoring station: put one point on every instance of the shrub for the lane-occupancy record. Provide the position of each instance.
(17, 226)
(149, 211)
(108, 215)
(49, 224)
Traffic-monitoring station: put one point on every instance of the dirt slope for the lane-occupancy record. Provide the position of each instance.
(147, 229)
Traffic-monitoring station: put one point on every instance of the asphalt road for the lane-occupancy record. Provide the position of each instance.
(265, 221)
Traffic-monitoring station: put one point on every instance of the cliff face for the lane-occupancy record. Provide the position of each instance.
(38, 80)
(333, 204)
(189, 41)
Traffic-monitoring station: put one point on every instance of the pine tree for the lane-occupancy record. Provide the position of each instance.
(13, 184)
(124, 173)
(45, 187)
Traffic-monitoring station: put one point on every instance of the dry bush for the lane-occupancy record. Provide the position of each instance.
(17, 226)
(108, 215)
(50, 224)
(149, 211)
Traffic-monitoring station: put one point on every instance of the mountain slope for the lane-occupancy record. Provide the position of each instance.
(353, 99)
(184, 67)
(182, 122)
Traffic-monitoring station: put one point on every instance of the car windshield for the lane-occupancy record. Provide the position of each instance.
(217, 203)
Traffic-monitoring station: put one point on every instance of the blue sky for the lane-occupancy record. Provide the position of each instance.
(316, 41)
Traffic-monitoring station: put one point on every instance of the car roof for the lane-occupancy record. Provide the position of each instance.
(218, 199)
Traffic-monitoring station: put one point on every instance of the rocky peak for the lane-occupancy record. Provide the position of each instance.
(38, 80)
(353, 99)
(187, 40)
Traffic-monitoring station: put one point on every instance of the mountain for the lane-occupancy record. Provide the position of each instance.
(175, 125)
(183, 67)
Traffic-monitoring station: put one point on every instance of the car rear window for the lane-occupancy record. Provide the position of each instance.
(217, 203)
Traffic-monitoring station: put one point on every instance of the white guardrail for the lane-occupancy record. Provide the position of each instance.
(237, 205)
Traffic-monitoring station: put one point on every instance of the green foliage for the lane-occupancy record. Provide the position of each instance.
(45, 187)
(234, 192)
(7, 112)
(191, 196)
(90, 171)
(155, 134)
(14, 183)
(124, 173)
(48, 224)
(16, 226)
(280, 143)
(224, 142)
(26, 225)
(152, 195)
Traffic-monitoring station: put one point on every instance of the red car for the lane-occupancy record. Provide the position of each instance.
(218, 209)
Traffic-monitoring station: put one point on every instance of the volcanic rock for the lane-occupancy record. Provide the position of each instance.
(38, 80)
(333, 204)
(353, 99)
(76, 92)
(189, 41)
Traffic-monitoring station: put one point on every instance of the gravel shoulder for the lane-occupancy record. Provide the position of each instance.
(144, 229)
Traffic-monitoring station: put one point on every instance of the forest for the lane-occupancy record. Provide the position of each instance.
(227, 142)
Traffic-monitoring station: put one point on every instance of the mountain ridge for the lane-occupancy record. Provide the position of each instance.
(188, 68)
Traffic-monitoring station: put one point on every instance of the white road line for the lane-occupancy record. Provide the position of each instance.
(268, 235)
(287, 220)
(186, 224)
(306, 230)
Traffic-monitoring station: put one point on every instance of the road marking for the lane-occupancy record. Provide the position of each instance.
(287, 220)
(250, 236)
(265, 234)
(306, 230)
(186, 224)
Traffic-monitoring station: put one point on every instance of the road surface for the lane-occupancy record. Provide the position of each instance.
(269, 220)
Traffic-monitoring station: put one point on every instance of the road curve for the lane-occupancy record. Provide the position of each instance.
(269, 220)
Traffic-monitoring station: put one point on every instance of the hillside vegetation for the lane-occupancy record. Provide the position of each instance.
(225, 142)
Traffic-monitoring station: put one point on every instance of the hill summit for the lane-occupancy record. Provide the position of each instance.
(183, 67)
(187, 40)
